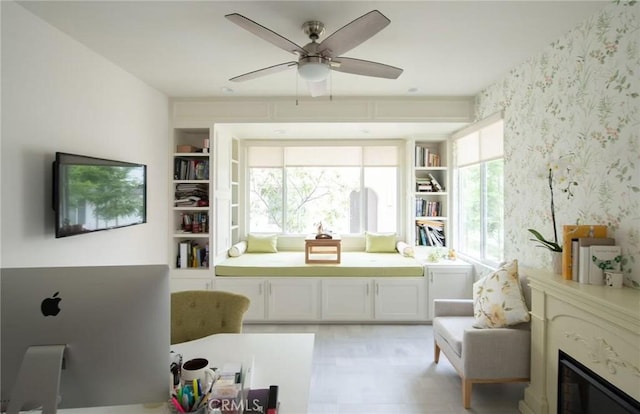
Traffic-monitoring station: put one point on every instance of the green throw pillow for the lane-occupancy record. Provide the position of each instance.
(262, 243)
(380, 242)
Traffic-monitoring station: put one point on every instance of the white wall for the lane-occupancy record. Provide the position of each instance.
(57, 95)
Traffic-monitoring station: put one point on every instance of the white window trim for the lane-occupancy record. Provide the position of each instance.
(464, 132)
(400, 165)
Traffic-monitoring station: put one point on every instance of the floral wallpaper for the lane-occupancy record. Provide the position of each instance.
(577, 101)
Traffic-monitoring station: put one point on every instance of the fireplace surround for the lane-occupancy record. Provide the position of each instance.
(597, 326)
(582, 391)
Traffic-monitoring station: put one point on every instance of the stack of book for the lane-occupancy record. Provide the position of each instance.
(588, 253)
(428, 184)
(192, 254)
(190, 169)
(190, 194)
(197, 222)
(430, 233)
(426, 208)
(426, 158)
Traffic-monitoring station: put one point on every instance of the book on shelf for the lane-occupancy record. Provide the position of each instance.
(422, 156)
(183, 255)
(584, 254)
(430, 233)
(425, 158)
(192, 255)
(194, 222)
(190, 169)
(428, 185)
(434, 160)
(191, 194)
(435, 183)
(427, 208)
(571, 232)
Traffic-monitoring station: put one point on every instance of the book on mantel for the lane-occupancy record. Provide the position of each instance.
(571, 233)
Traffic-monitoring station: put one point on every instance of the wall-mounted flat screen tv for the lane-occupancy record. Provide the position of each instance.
(92, 194)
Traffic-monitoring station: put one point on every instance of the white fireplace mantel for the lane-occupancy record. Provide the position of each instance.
(596, 325)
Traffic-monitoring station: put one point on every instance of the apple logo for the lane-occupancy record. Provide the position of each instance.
(50, 306)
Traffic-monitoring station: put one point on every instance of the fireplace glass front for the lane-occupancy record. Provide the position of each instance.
(582, 391)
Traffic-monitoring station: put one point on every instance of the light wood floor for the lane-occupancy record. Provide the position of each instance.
(389, 369)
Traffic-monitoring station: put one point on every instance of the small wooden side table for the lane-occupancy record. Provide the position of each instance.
(322, 246)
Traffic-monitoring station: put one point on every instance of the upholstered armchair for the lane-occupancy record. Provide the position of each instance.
(489, 355)
(199, 313)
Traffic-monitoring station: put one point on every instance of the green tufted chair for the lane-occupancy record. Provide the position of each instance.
(199, 313)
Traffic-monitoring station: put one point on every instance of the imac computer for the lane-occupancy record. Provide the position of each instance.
(84, 336)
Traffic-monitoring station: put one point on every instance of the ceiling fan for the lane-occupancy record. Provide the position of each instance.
(316, 60)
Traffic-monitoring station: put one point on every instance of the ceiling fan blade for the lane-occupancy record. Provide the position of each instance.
(354, 33)
(266, 34)
(318, 88)
(264, 71)
(365, 68)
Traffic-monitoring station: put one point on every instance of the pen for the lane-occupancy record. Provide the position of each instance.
(195, 389)
(179, 396)
(185, 402)
(177, 405)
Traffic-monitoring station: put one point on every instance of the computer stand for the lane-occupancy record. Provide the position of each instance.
(38, 380)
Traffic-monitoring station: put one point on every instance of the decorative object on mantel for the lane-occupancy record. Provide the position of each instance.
(613, 279)
(553, 246)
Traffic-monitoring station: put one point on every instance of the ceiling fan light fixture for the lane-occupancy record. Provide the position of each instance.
(313, 68)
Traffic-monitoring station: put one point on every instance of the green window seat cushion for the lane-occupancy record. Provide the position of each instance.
(353, 264)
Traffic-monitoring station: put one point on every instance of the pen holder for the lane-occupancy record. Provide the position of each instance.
(201, 410)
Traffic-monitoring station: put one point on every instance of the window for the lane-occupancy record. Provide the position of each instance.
(350, 189)
(479, 194)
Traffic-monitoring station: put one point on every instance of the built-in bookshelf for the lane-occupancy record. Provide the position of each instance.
(191, 185)
(430, 193)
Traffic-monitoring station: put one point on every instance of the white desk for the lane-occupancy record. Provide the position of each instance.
(279, 359)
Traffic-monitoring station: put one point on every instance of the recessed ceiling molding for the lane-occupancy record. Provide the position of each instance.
(445, 109)
(205, 112)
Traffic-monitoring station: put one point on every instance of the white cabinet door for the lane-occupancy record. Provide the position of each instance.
(400, 299)
(178, 284)
(346, 299)
(253, 289)
(455, 282)
(293, 299)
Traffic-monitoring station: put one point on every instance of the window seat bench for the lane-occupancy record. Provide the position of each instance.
(292, 264)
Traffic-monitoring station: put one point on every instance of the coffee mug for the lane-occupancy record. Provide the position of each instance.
(197, 369)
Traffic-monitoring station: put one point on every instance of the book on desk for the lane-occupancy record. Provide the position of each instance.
(262, 400)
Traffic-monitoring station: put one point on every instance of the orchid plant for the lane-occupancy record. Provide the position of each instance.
(554, 246)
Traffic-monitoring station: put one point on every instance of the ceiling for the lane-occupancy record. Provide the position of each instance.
(188, 49)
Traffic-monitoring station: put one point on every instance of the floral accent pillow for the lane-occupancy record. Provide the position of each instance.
(497, 299)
